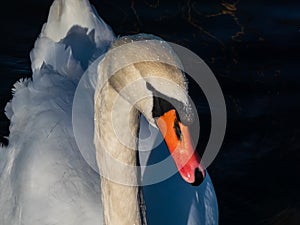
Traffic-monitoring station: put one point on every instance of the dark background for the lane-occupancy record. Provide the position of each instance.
(253, 49)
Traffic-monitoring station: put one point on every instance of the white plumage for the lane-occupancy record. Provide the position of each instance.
(44, 179)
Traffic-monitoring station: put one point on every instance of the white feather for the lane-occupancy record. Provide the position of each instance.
(44, 178)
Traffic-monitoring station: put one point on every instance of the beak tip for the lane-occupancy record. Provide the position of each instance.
(199, 177)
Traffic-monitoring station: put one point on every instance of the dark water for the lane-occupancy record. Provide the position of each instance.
(253, 49)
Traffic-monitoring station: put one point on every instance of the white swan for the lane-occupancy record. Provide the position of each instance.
(44, 178)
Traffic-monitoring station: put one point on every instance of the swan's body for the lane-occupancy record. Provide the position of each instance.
(43, 177)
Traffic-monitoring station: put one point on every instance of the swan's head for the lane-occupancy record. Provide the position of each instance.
(143, 69)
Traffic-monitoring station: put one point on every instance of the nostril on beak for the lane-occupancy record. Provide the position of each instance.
(199, 177)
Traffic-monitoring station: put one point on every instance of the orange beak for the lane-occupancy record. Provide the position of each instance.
(179, 143)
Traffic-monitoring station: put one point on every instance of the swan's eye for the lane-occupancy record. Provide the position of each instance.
(177, 129)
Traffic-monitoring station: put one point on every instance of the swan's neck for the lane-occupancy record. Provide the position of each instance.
(117, 160)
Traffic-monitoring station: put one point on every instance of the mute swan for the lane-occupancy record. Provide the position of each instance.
(45, 179)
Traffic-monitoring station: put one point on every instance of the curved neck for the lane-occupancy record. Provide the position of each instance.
(116, 150)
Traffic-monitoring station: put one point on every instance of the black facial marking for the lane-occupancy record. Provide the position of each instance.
(177, 129)
(163, 103)
(160, 106)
